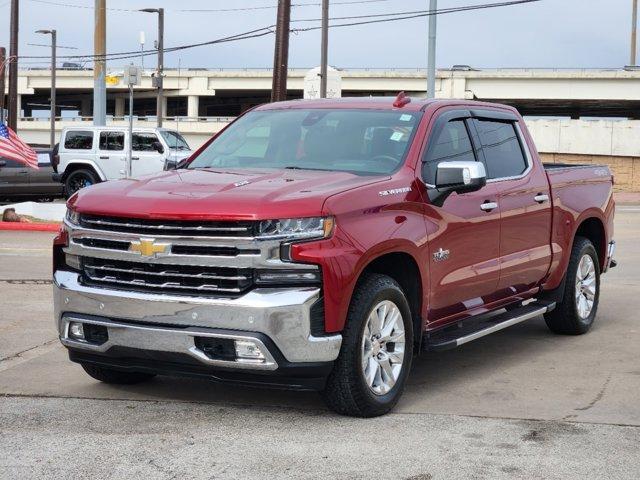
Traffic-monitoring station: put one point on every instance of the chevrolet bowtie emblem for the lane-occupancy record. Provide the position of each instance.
(147, 247)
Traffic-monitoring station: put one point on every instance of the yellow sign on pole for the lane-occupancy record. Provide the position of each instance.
(112, 80)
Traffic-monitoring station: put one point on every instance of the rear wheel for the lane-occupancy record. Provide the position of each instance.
(371, 370)
(78, 179)
(577, 311)
(108, 375)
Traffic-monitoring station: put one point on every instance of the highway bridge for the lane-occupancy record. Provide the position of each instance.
(575, 115)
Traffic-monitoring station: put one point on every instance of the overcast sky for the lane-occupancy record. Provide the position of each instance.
(549, 33)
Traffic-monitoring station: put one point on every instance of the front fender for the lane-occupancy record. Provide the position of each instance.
(362, 234)
(84, 162)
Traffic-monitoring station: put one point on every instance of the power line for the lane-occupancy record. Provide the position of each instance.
(71, 5)
(423, 13)
(208, 10)
(409, 15)
(260, 32)
(293, 5)
(49, 46)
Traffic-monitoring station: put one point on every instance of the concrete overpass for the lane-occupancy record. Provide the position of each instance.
(206, 93)
(201, 102)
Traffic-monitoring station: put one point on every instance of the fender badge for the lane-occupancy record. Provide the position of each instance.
(441, 255)
(242, 183)
(394, 191)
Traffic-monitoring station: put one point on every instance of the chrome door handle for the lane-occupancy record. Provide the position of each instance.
(488, 206)
(541, 198)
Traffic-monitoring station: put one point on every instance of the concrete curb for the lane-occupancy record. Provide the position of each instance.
(33, 227)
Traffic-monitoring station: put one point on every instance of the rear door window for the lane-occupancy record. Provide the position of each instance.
(110, 141)
(78, 140)
(503, 151)
(143, 142)
(451, 144)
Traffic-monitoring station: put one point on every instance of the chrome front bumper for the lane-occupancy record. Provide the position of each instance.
(171, 323)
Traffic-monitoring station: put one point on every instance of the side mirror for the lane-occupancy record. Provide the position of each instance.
(157, 146)
(459, 177)
(170, 164)
(3, 163)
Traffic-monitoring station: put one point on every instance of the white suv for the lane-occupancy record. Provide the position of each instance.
(88, 155)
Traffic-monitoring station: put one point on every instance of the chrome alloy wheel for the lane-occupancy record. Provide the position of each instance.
(585, 286)
(383, 344)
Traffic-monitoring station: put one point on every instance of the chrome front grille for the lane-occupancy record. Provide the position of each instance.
(171, 279)
(140, 226)
(175, 249)
(203, 259)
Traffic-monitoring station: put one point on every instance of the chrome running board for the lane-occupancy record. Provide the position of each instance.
(477, 327)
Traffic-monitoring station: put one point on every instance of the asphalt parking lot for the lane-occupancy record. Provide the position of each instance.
(522, 403)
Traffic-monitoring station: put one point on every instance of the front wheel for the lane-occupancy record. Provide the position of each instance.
(78, 179)
(577, 311)
(377, 347)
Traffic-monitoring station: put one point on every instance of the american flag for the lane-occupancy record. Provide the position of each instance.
(12, 148)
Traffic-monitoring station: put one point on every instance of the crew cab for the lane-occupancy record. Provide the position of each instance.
(89, 155)
(322, 244)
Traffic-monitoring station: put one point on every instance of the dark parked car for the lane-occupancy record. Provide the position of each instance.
(17, 181)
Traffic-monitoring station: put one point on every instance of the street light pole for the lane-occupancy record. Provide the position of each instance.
(634, 34)
(431, 62)
(100, 64)
(160, 70)
(13, 67)
(52, 135)
(324, 49)
(3, 55)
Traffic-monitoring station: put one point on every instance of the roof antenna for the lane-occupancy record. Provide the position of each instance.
(401, 100)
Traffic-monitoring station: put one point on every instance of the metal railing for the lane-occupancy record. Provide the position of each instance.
(140, 118)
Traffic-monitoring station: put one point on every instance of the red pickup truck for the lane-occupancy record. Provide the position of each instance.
(322, 244)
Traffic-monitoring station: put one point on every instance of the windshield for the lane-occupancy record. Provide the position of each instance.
(174, 140)
(363, 142)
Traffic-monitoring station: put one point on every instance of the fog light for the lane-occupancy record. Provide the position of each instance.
(248, 350)
(72, 261)
(76, 330)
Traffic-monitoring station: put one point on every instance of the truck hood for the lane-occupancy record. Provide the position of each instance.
(218, 194)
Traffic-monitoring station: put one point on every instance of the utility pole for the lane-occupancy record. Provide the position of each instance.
(281, 52)
(160, 70)
(100, 64)
(53, 33)
(634, 32)
(431, 62)
(324, 50)
(132, 77)
(3, 59)
(13, 67)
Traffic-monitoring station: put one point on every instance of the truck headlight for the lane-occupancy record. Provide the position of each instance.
(72, 217)
(297, 228)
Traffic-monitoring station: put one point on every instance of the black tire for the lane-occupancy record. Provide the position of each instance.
(107, 375)
(83, 177)
(346, 391)
(565, 319)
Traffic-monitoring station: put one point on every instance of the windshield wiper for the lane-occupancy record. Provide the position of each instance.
(293, 167)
